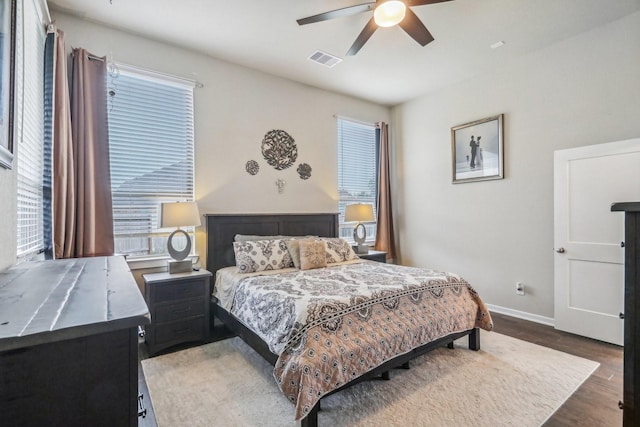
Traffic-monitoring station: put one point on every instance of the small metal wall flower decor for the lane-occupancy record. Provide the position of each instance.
(279, 149)
(252, 167)
(304, 170)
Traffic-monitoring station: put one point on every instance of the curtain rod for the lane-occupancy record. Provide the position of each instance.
(92, 57)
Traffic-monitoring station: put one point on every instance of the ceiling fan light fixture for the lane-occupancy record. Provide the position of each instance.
(389, 13)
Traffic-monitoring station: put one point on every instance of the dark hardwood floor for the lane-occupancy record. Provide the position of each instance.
(595, 403)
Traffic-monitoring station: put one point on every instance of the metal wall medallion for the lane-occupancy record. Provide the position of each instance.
(279, 149)
(304, 170)
(252, 167)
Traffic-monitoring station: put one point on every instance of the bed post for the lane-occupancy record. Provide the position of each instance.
(474, 339)
(311, 420)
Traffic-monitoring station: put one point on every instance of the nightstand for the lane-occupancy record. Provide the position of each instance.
(179, 307)
(378, 256)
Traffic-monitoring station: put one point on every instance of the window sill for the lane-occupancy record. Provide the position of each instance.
(155, 262)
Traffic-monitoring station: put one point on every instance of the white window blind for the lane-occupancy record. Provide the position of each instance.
(29, 134)
(357, 171)
(151, 154)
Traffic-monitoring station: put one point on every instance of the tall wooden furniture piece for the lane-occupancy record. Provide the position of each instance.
(631, 394)
(69, 343)
(179, 306)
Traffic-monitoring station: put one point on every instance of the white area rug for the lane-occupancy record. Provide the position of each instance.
(509, 382)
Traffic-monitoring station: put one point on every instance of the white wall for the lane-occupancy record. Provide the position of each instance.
(233, 111)
(584, 90)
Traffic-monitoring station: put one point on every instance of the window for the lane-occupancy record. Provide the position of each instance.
(357, 171)
(29, 131)
(151, 154)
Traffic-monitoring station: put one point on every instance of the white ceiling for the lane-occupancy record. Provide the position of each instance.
(391, 67)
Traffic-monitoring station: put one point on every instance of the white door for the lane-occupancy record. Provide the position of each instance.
(589, 258)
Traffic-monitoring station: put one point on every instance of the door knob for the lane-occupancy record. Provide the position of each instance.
(560, 250)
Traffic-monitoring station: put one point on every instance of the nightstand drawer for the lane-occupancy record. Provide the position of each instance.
(377, 256)
(179, 331)
(177, 290)
(178, 310)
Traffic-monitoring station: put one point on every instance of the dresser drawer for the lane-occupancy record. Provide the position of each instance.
(177, 290)
(181, 331)
(168, 311)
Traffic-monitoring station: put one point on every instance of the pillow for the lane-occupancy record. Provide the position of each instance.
(293, 246)
(262, 255)
(313, 254)
(338, 250)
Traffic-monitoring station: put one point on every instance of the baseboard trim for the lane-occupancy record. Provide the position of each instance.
(549, 321)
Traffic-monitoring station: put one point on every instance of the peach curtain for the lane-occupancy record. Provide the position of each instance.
(385, 238)
(83, 218)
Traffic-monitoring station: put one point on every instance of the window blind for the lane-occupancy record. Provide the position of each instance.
(357, 171)
(151, 153)
(29, 106)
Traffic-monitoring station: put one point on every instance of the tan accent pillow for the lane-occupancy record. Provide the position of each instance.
(338, 250)
(313, 254)
(294, 250)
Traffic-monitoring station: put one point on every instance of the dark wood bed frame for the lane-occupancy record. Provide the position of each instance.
(221, 230)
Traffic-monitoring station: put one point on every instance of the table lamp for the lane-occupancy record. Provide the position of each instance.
(359, 213)
(179, 214)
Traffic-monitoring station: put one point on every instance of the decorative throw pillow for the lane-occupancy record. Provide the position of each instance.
(262, 255)
(294, 251)
(338, 250)
(313, 254)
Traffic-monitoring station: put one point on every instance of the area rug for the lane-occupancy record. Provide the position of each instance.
(509, 382)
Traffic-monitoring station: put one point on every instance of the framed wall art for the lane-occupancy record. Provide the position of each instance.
(7, 72)
(477, 150)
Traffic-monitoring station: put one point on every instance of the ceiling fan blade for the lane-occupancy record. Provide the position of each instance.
(412, 25)
(366, 32)
(338, 13)
(423, 2)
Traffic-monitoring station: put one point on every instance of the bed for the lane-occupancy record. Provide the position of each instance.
(328, 328)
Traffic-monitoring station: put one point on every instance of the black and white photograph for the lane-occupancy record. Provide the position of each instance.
(477, 150)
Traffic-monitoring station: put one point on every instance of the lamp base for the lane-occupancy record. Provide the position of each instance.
(361, 249)
(184, 266)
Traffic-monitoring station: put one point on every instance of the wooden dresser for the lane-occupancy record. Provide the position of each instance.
(69, 343)
(631, 380)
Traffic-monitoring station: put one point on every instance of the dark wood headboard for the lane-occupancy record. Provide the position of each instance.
(222, 228)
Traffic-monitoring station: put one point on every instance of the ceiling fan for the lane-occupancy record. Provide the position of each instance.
(386, 13)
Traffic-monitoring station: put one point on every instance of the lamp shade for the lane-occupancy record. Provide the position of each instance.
(179, 214)
(389, 13)
(359, 212)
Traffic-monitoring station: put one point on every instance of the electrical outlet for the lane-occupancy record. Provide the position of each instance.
(519, 288)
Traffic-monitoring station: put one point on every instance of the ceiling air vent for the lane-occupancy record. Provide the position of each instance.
(324, 58)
